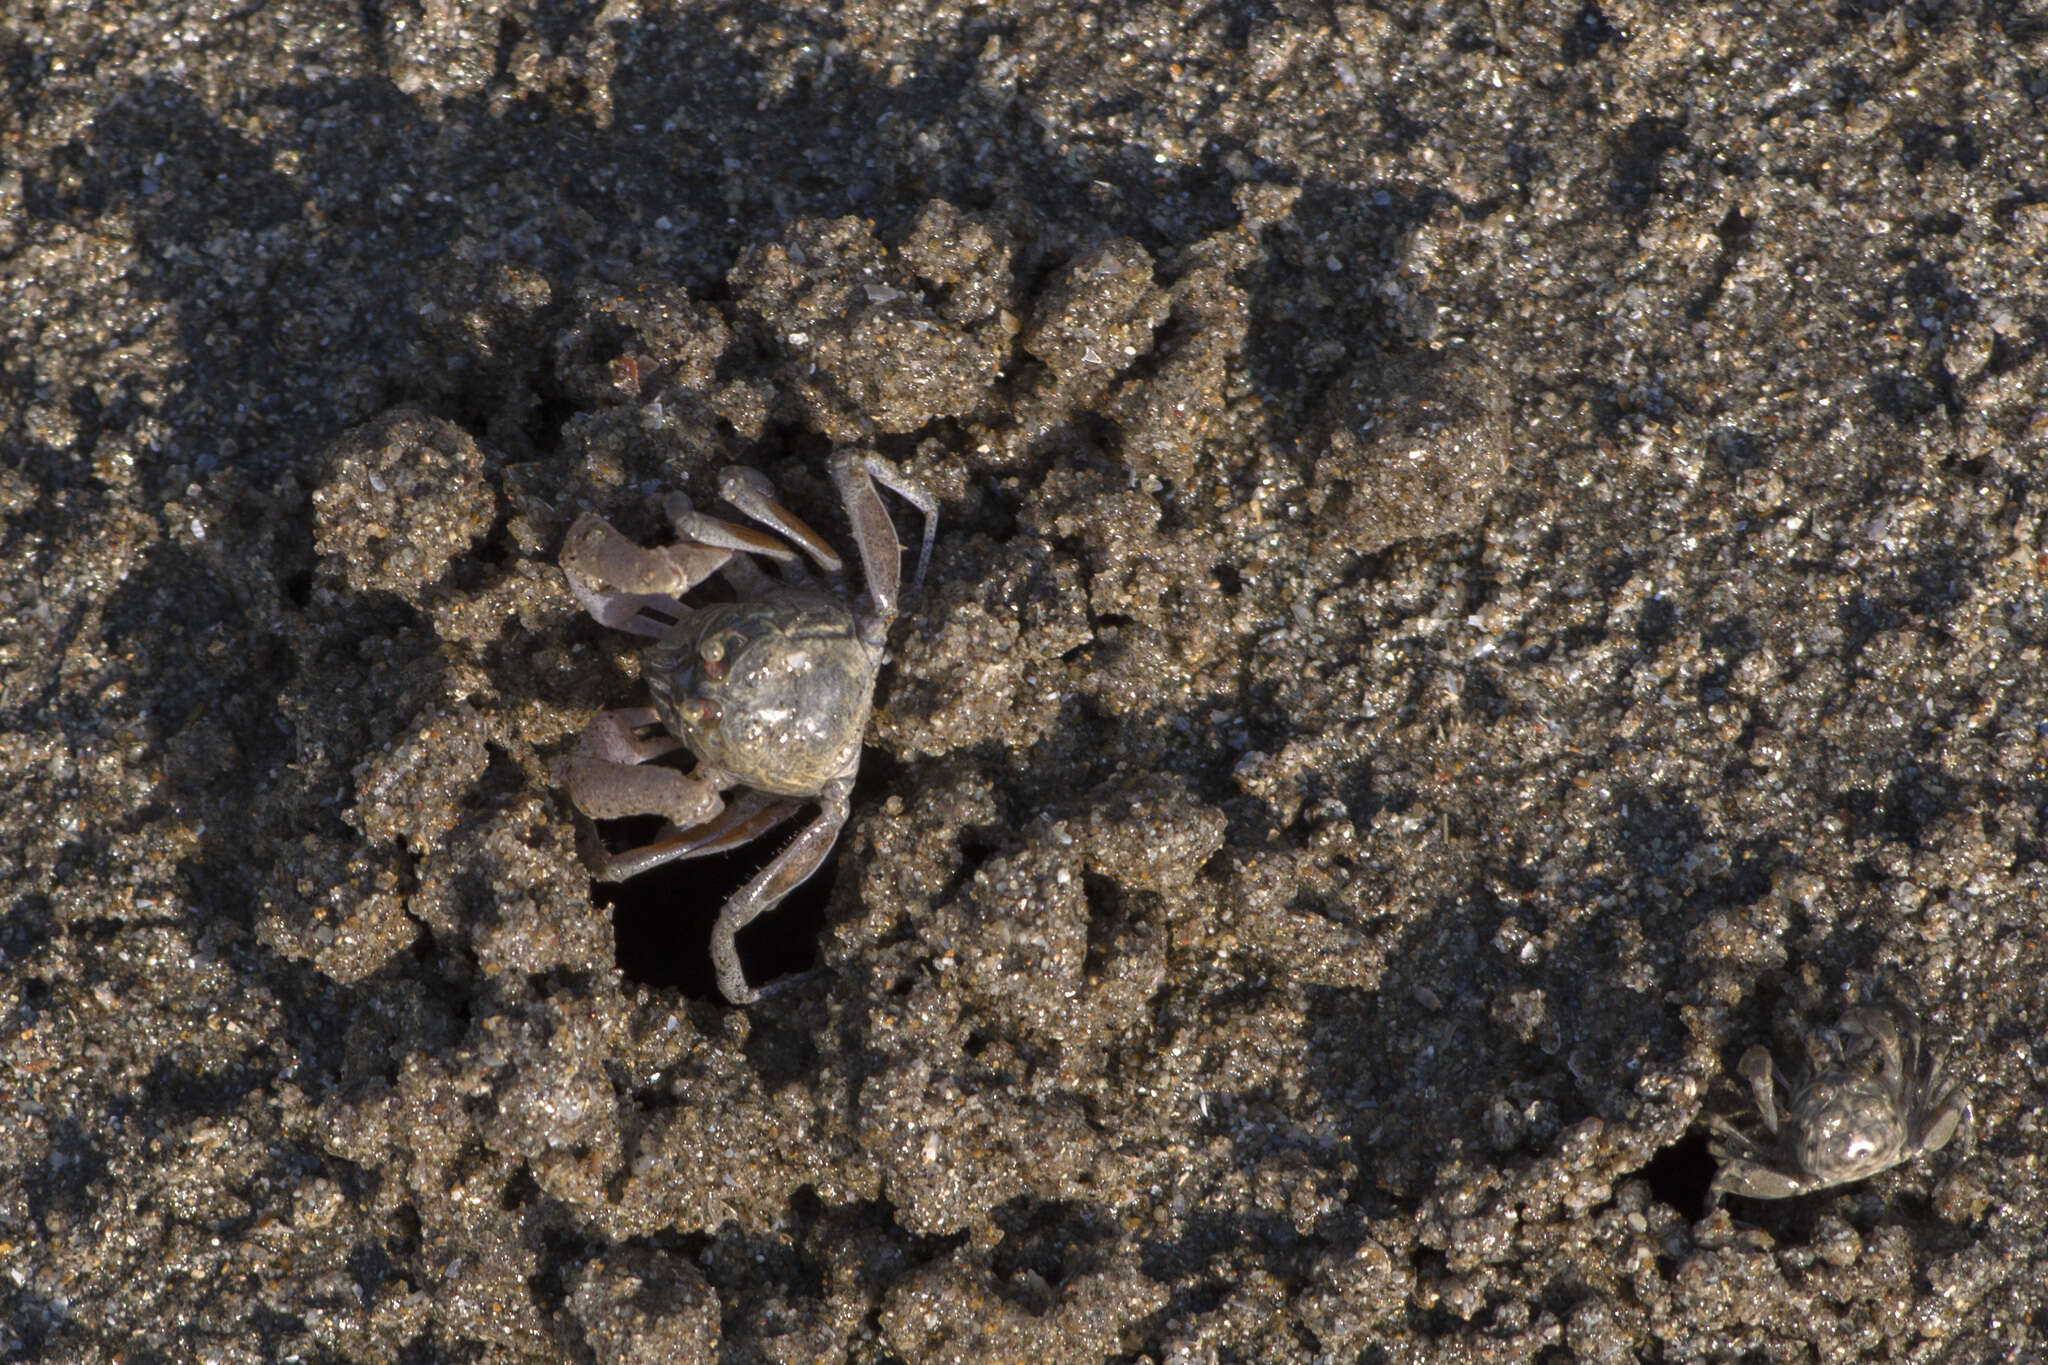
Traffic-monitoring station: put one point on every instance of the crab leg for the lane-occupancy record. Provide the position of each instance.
(610, 737)
(604, 790)
(751, 492)
(1874, 1030)
(617, 581)
(881, 553)
(747, 818)
(724, 535)
(1942, 1107)
(805, 854)
(1758, 1068)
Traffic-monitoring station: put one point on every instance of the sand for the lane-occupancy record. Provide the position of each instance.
(1490, 558)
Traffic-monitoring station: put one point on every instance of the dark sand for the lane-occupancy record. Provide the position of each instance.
(1491, 558)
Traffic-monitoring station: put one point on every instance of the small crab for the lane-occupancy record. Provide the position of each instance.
(769, 692)
(1875, 1098)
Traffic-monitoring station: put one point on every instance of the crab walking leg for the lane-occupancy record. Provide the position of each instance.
(745, 819)
(914, 493)
(1761, 1071)
(1740, 1168)
(881, 553)
(1943, 1109)
(742, 822)
(785, 874)
(1945, 1115)
(1876, 1029)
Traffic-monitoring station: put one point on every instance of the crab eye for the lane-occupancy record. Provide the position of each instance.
(712, 652)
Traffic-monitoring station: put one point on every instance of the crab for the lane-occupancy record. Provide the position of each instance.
(1877, 1098)
(768, 692)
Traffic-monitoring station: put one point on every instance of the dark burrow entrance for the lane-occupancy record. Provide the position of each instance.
(662, 919)
(1680, 1174)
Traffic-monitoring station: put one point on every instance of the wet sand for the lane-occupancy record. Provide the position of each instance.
(1490, 559)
